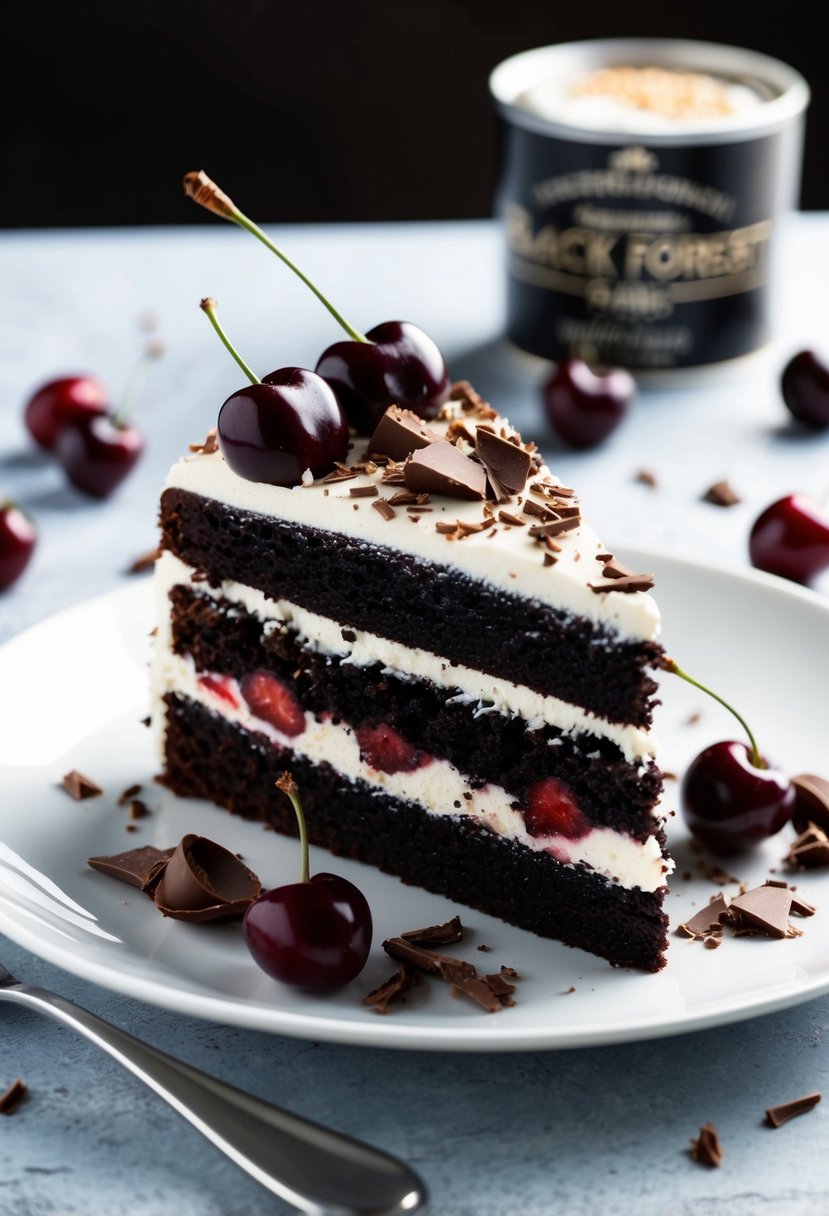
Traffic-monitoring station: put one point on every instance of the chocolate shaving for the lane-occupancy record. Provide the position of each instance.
(555, 527)
(444, 965)
(79, 786)
(128, 794)
(204, 881)
(145, 562)
(479, 990)
(446, 527)
(507, 465)
(436, 935)
(635, 582)
(12, 1097)
(404, 978)
(341, 473)
(500, 987)
(707, 920)
(208, 445)
(706, 1148)
(140, 868)
(812, 802)
(383, 507)
(810, 851)
(138, 809)
(442, 469)
(506, 517)
(614, 569)
(399, 433)
(721, 494)
(363, 491)
(776, 1116)
(471, 401)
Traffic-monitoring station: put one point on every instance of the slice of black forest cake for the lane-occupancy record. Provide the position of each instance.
(455, 670)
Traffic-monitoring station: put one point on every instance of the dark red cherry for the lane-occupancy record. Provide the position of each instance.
(729, 803)
(273, 431)
(98, 452)
(585, 404)
(398, 365)
(18, 537)
(68, 399)
(805, 387)
(313, 934)
(791, 538)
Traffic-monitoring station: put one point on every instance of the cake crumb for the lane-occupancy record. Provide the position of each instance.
(706, 1148)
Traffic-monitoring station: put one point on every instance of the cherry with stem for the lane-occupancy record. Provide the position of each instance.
(314, 934)
(731, 797)
(395, 363)
(273, 430)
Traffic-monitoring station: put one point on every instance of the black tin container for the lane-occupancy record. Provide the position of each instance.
(649, 249)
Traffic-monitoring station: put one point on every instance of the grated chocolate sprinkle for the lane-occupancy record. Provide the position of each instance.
(383, 507)
(364, 491)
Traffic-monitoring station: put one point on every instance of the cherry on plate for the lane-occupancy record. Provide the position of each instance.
(730, 803)
(790, 538)
(314, 934)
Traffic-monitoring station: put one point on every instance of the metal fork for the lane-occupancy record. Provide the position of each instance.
(318, 1170)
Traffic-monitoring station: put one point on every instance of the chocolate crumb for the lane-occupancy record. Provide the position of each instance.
(393, 989)
(776, 1116)
(383, 507)
(721, 494)
(79, 786)
(484, 949)
(145, 562)
(128, 794)
(138, 809)
(567, 991)
(706, 1148)
(12, 1097)
(646, 478)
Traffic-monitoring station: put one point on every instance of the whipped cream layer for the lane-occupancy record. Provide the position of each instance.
(504, 556)
(488, 694)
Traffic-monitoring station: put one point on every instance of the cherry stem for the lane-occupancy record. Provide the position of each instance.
(674, 668)
(208, 305)
(288, 786)
(205, 192)
(151, 352)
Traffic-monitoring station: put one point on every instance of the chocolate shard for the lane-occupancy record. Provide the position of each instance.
(444, 965)
(635, 582)
(441, 469)
(11, 1098)
(721, 494)
(706, 1148)
(79, 786)
(140, 868)
(478, 990)
(394, 988)
(810, 851)
(555, 527)
(436, 935)
(507, 465)
(399, 433)
(812, 801)
(205, 881)
(776, 1116)
(765, 908)
(707, 920)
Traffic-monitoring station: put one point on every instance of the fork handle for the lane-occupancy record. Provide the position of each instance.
(318, 1170)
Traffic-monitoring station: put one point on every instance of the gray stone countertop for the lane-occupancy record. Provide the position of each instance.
(594, 1130)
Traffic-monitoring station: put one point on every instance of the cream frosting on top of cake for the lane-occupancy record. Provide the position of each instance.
(504, 554)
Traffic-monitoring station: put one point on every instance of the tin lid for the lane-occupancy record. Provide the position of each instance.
(782, 93)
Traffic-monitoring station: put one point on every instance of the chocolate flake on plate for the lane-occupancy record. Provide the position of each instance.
(12, 1097)
(763, 908)
(129, 793)
(442, 469)
(776, 1116)
(444, 965)
(404, 978)
(138, 809)
(79, 786)
(707, 920)
(140, 868)
(706, 1148)
(647, 478)
(721, 494)
(436, 935)
(810, 851)
(205, 881)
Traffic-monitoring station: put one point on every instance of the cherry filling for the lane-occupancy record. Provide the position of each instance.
(384, 748)
(272, 700)
(223, 687)
(553, 811)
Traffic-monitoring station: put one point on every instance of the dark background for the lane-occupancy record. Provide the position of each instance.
(313, 110)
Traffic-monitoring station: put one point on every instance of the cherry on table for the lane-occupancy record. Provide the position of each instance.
(395, 363)
(272, 430)
(730, 803)
(804, 384)
(790, 538)
(314, 934)
(18, 537)
(57, 402)
(98, 452)
(584, 404)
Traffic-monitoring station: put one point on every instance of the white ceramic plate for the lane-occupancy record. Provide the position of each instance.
(72, 695)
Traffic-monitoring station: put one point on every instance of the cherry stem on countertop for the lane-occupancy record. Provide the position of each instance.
(206, 193)
(208, 305)
(288, 786)
(676, 670)
(151, 352)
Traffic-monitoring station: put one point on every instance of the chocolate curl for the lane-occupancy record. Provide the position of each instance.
(204, 191)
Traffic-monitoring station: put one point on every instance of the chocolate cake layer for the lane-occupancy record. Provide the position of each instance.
(223, 638)
(422, 605)
(210, 758)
